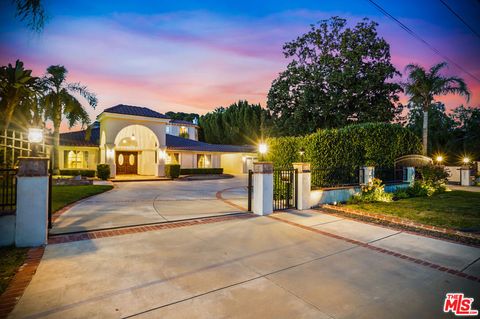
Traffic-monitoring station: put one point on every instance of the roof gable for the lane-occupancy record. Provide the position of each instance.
(135, 111)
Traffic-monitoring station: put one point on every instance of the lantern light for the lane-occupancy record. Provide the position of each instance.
(35, 135)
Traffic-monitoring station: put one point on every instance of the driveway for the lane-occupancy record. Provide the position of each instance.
(290, 265)
(135, 203)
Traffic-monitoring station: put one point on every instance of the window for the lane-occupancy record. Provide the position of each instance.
(168, 129)
(204, 161)
(75, 159)
(172, 158)
(183, 132)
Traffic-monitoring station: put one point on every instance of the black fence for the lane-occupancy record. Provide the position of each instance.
(390, 175)
(8, 190)
(285, 185)
(335, 177)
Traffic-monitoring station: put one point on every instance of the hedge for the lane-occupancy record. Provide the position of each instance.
(193, 171)
(172, 170)
(103, 171)
(76, 172)
(377, 144)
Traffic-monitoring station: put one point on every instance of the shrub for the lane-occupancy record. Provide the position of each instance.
(372, 192)
(193, 171)
(76, 172)
(172, 170)
(401, 193)
(103, 171)
(377, 144)
(433, 180)
(420, 189)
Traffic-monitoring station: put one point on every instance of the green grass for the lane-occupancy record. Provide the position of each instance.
(455, 209)
(63, 195)
(10, 259)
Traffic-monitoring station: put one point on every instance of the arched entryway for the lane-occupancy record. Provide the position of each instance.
(136, 151)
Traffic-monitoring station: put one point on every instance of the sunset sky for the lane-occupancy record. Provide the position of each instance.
(194, 56)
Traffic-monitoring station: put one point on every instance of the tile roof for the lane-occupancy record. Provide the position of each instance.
(182, 122)
(135, 110)
(173, 143)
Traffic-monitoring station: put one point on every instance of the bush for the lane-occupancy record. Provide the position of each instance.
(377, 144)
(103, 171)
(172, 170)
(194, 171)
(420, 189)
(372, 192)
(433, 181)
(76, 172)
(401, 193)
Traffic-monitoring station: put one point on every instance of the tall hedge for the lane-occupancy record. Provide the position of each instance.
(377, 144)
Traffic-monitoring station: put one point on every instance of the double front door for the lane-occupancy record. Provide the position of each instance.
(126, 162)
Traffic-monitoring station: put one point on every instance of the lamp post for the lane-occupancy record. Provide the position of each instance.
(262, 149)
(439, 159)
(35, 136)
(301, 152)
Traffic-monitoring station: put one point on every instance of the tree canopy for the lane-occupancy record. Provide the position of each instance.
(337, 76)
(239, 124)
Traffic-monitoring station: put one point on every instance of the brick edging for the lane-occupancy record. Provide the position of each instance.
(20, 281)
(404, 222)
(384, 251)
(95, 234)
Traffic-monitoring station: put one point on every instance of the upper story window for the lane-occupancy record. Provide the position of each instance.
(184, 132)
(169, 129)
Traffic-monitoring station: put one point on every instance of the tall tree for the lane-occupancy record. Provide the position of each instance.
(60, 102)
(239, 124)
(32, 12)
(337, 76)
(423, 86)
(468, 127)
(190, 117)
(16, 86)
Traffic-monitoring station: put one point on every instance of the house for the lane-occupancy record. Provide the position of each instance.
(139, 140)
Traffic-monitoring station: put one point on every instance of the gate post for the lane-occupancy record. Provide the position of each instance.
(465, 176)
(263, 188)
(32, 202)
(368, 174)
(304, 185)
(409, 175)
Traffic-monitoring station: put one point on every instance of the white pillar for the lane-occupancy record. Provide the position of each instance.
(110, 159)
(465, 176)
(263, 188)
(368, 174)
(31, 228)
(304, 185)
(160, 166)
(409, 176)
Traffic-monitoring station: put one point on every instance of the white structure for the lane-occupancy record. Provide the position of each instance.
(465, 179)
(138, 140)
(368, 174)
(304, 185)
(263, 188)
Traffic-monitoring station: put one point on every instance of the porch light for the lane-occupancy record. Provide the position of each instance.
(35, 135)
(133, 137)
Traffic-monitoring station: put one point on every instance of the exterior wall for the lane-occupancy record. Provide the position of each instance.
(93, 158)
(188, 160)
(454, 172)
(192, 133)
(7, 230)
(174, 129)
(237, 163)
(343, 194)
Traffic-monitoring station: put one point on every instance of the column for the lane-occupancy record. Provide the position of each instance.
(32, 202)
(409, 175)
(465, 176)
(160, 166)
(110, 158)
(263, 188)
(368, 174)
(304, 185)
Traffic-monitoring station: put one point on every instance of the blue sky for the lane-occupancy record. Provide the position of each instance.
(198, 55)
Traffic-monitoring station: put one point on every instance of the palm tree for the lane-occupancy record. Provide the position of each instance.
(423, 86)
(16, 86)
(59, 103)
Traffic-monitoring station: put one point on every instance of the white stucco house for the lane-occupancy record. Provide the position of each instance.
(139, 140)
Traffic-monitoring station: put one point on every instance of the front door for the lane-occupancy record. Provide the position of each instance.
(126, 162)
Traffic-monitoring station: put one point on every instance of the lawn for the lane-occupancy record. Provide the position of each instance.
(63, 195)
(455, 209)
(11, 258)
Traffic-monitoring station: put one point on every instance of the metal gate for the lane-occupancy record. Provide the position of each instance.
(285, 185)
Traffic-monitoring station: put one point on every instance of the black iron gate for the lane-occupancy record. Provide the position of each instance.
(8, 190)
(285, 185)
(250, 189)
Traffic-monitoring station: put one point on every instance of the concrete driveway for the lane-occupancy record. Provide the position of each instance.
(259, 267)
(135, 203)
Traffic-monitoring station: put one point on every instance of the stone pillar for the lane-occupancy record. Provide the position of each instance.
(160, 166)
(409, 176)
(32, 202)
(263, 188)
(304, 185)
(465, 176)
(110, 159)
(368, 174)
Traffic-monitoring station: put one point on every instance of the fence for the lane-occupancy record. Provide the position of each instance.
(285, 184)
(335, 177)
(390, 175)
(8, 190)
(14, 144)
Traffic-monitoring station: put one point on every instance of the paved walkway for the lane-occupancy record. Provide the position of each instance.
(135, 203)
(465, 188)
(262, 267)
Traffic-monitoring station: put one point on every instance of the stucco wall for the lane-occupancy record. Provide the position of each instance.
(232, 163)
(7, 230)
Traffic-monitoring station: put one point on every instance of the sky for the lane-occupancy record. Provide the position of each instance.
(194, 56)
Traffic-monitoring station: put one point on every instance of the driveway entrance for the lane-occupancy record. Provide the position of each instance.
(137, 203)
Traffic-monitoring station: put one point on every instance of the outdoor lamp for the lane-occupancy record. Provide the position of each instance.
(262, 149)
(133, 137)
(35, 135)
(439, 159)
(466, 160)
(301, 152)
